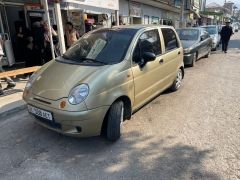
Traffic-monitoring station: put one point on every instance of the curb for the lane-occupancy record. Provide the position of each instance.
(13, 110)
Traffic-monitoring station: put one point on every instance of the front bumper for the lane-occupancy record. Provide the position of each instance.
(214, 46)
(188, 58)
(80, 124)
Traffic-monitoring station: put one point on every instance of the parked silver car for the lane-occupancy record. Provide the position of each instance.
(213, 30)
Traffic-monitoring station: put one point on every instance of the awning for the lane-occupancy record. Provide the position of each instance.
(195, 13)
(106, 4)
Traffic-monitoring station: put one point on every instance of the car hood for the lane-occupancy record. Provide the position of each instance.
(188, 44)
(56, 79)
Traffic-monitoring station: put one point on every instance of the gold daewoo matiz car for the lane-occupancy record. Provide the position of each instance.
(106, 76)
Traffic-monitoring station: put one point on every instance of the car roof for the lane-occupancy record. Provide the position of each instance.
(192, 28)
(209, 26)
(140, 26)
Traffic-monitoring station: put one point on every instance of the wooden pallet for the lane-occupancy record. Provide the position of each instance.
(14, 73)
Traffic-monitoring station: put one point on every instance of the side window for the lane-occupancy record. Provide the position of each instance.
(170, 39)
(149, 41)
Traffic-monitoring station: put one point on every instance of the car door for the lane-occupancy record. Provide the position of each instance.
(146, 76)
(204, 44)
(172, 56)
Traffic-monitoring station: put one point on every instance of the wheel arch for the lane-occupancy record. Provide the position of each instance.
(127, 111)
(182, 68)
(197, 55)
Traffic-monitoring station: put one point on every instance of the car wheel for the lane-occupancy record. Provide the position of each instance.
(214, 49)
(208, 54)
(194, 60)
(114, 121)
(178, 81)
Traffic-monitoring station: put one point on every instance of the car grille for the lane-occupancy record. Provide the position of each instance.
(40, 100)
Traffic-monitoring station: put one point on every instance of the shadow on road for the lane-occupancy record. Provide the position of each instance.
(43, 153)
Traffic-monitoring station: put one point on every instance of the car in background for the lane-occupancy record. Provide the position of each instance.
(108, 74)
(235, 27)
(197, 43)
(213, 30)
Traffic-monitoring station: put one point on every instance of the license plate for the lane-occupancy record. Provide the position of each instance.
(41, 113)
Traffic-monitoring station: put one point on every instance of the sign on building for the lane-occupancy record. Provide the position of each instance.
(135, 9)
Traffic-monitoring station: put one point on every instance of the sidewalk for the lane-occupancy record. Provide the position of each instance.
(12, 101)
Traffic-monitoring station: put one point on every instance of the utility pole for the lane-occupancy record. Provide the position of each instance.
(45, 3)
(60, 26)
(117, 17)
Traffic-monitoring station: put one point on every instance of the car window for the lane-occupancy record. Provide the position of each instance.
(188, 34)
(106, 46)
(170, 39)
(211, 30)
(149, 41)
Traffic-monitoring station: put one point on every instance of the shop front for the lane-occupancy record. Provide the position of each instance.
(16, 15)
(88, 15)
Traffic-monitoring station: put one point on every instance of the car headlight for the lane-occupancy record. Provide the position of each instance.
(31, 80)
(78, 94)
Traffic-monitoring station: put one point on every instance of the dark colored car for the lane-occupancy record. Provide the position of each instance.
(197, 43)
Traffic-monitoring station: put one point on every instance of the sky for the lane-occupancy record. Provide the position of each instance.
(221, 2)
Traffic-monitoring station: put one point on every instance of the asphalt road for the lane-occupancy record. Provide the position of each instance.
(190, 134)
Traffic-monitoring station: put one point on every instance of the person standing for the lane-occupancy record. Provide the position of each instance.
(20, 43)
(9, 81)
(226, 33)
(47, 55)
(71, 34)
(38, 40)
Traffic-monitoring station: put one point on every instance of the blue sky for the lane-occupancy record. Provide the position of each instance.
(237, 2)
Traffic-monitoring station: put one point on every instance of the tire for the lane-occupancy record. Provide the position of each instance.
(178, 81)
(114, 121)
(194, 60)
(208, 54)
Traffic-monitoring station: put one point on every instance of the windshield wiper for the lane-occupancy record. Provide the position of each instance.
(93, 60)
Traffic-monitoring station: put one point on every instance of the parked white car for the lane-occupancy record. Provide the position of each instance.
(235, 27)
(213, 30)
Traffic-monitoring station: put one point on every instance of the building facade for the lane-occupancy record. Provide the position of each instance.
(149, 12)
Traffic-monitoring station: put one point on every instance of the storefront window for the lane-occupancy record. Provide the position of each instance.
(146, 19)
(155, 20)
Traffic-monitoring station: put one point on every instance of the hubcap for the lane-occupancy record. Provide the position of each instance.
(179, 79)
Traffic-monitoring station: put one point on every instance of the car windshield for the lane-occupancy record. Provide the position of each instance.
(188, 34)
(105, 46)
(211, 30)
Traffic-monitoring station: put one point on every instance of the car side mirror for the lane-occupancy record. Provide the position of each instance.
(148, 56)
(202, 38)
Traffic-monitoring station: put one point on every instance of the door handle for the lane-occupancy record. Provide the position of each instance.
(179, 52)
(161, 61)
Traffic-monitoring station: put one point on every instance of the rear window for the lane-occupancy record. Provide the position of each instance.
(188, 34)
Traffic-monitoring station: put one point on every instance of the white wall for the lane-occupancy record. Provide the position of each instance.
(147, 10)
